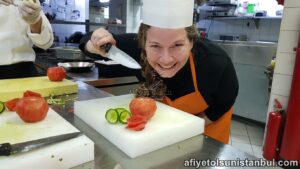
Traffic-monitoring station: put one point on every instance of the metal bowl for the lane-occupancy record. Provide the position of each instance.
(77, 66)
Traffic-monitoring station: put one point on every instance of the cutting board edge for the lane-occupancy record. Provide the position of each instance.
(62, 156)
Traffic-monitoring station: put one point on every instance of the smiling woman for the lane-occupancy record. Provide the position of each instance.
(179, 68)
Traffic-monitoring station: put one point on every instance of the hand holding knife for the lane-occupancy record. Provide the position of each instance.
(119, 56)
(103, 43)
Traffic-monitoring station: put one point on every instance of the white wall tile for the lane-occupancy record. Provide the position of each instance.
(288, 40)
(291, 19)
(285, 63)
(291, 3)
(281, 84)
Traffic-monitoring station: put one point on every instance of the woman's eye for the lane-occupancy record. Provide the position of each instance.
(154, 46)
(178, 45)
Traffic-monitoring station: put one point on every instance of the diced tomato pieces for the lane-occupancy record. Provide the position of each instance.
(134, 121)
(139, 127)
(11, 104)
(28, 93)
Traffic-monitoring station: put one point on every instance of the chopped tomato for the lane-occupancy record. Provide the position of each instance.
(139, 127)
(11, 104)
(31, 93)
(136, 120)
(32, 109)
(143, 106)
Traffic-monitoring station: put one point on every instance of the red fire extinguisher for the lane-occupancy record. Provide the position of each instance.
(274, 133)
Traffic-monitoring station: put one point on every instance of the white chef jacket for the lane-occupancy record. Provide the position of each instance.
(16, 40)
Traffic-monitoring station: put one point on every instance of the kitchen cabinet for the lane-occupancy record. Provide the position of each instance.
(250, 60)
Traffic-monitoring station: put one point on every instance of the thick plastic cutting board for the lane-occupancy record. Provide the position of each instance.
(60, 155)
(166, 127)
(12, 88)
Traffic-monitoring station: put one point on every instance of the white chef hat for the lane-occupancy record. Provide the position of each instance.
(168, 13)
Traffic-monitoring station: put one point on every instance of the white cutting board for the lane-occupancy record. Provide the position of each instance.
(61, 155)
(167, 126)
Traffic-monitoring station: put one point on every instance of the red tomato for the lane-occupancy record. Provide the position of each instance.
(56, 73)
(134, 121)
(31, 93)
(32, 109)
(11, 104)
(143, 106)
(139, 127)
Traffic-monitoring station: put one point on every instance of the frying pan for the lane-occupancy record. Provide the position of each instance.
(77, 66)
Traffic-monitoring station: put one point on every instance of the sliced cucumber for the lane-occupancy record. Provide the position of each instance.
(124, 115)
(112, 116)
(2, 107)
(119, 110)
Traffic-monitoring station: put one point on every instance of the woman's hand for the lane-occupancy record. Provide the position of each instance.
(99, 38)
(30, 11)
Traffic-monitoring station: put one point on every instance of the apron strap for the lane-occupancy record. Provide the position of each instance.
(192, 65)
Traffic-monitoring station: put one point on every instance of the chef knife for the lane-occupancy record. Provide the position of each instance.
(119, 56)
(7, 149)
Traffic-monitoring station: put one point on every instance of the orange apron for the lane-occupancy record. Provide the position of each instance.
(194, 103)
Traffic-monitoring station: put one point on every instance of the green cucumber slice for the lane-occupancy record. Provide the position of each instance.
(2, 107)
(119, 110)
(112, 116)
(124, 115)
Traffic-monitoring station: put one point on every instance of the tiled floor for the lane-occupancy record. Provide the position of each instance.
(247, 137)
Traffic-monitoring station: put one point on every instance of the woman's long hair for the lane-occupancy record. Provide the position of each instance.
(154, 86)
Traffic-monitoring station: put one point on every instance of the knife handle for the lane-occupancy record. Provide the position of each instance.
(5, 149)
(106, 47)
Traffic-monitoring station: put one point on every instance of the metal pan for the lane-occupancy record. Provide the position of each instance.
(77, 66)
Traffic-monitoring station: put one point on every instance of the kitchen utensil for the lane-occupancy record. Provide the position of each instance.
(119, 56)
(66, 154)
(77, 66)
(68, 53)
(166, 127)
(13, 88)
(9, 149)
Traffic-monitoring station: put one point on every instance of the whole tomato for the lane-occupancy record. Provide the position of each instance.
(143, 106)
(32, 109)
(56, 73)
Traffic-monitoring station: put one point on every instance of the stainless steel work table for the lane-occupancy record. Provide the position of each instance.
(108, 156)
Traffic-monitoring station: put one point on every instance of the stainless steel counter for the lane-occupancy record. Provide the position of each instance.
(176, 156)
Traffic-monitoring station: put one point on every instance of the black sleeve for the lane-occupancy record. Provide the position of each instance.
(216, 77)
(225, 94)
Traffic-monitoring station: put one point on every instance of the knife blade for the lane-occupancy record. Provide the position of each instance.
(121, 57)
(7, 149)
